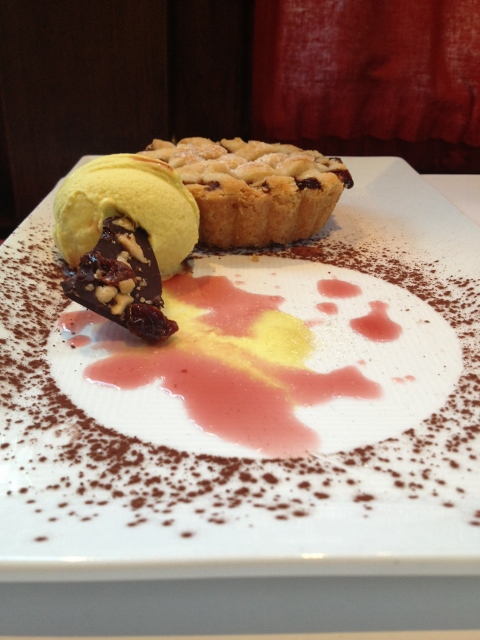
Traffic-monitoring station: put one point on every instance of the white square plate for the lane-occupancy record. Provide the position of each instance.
(101, 482)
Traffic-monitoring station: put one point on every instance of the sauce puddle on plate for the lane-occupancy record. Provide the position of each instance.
(238, 363)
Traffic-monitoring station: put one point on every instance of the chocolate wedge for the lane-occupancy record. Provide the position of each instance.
(120, 280)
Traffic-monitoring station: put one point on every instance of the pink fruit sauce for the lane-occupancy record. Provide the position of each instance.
(76, 321)
(79, 341)
(222, 398)
(404, 379)
(376, 325)
(335, 288)
(329, 308)
(231, 310)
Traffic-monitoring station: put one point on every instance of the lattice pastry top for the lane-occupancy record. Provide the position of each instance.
(202, 161)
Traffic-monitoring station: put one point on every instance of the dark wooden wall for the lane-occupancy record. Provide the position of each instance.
(83, 77)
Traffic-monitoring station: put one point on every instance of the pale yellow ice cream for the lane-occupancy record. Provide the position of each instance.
(146, 190)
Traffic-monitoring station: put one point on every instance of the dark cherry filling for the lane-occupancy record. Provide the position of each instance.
(345, 176)
(309, 183)
(312, 183)
(211, 186)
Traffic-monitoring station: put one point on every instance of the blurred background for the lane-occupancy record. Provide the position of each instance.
(346, 77)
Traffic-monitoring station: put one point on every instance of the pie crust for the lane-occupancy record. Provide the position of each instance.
(252, 194)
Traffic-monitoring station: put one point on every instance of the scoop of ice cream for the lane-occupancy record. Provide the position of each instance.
(146, 190)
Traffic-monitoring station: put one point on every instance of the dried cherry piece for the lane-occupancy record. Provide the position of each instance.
(309, 183)
(94, 266)
(149, 323)
(212, 185)
(345, 176)
(111, 272)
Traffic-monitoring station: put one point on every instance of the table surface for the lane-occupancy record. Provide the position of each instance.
(462, 190)
(138, 609)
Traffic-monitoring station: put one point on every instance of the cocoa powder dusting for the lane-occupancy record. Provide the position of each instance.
(93, 467)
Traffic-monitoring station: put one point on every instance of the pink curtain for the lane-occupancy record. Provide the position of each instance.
(379, 73)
